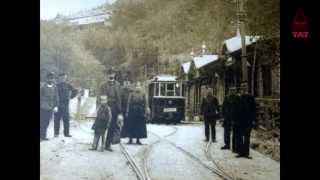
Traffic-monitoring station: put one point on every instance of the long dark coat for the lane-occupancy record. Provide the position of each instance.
(248, 111)
(228, 110)
(135, 124)
(245, 111)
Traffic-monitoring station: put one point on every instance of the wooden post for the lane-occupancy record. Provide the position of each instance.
(260, 82)
(253, 69)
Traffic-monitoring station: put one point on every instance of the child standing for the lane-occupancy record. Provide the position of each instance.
(101, 123)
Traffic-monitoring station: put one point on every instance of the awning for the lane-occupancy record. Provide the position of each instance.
(234, 44)
(200, 61)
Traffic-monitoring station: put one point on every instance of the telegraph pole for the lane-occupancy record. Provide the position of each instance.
(242, 19)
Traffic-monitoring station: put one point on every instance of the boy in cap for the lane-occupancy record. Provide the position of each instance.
(111, 88)
(101, 123)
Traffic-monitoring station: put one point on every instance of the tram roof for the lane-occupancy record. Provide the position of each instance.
(164, 77)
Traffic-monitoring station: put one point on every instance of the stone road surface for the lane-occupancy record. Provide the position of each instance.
(69, 158)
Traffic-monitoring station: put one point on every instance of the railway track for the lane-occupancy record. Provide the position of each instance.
(135, 167)
(218, 170)
(148, 150)
(143, 174)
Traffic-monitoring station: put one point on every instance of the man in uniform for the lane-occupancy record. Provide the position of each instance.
(246, 120)
(210, 112)
(66, 91)
(227, 109)
(111, 88)
(49, 101)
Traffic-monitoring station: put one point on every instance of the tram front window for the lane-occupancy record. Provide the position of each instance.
(178, 89)
(156, 85)
(170, 89)
(162, 89)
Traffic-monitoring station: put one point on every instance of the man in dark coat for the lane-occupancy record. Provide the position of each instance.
(210, 112)
(227, 109)
(245, 122)
(111, 88)
(66, 92)
(49, 101)
(136, 112)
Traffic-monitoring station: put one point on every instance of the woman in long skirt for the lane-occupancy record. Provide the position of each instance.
(135, 121)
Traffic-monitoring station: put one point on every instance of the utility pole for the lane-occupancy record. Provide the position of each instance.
(242, 19)
(145, 72)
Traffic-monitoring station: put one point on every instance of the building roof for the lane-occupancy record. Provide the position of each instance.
(200, 61)
(90, 19)
(164, 77)
(186, 67)
(233, 44)
(86, 13)
(92, 16)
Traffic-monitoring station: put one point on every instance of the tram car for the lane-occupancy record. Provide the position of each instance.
(166, 100)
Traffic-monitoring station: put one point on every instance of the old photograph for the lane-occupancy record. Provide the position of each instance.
(160, 89)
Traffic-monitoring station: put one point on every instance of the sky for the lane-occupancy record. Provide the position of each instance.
(50, 8)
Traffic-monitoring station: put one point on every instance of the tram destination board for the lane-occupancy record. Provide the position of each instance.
(169, 109)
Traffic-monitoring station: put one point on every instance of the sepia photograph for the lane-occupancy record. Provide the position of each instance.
(160, 89)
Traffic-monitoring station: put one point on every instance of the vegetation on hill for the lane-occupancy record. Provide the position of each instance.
(153, 31)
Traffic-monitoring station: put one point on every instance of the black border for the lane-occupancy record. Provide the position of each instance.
(298, 90)
(20, 101)
(20, 120)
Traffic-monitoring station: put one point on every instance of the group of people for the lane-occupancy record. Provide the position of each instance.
(239, 117)
(54, 99)
(121, 111)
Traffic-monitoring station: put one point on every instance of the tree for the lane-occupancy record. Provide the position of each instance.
(62, 51)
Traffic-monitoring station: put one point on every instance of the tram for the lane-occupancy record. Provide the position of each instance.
(166, 99)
